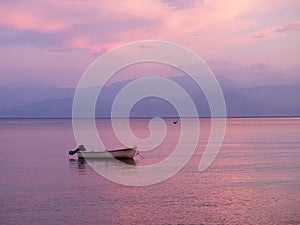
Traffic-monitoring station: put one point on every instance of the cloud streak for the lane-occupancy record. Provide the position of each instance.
(93, 25)
(248, 32)
(183, 4)
(289, 27)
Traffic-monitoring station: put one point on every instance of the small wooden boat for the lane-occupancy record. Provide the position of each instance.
(123, 153)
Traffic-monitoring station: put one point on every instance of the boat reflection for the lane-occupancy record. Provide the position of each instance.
(111, 161)
(81, 163)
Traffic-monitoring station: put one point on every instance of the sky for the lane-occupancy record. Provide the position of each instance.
(251, 42)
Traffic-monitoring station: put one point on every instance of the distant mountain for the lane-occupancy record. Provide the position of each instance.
(284, 99)
(50, 108)
(21, 99)
(20, 94)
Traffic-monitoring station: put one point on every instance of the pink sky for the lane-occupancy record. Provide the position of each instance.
(251, 42)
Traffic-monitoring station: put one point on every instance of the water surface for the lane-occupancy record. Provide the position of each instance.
(255, 179)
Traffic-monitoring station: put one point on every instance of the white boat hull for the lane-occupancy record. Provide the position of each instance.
(128, 153)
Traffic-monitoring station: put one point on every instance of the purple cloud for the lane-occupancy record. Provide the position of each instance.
(96, 33)
(13, 37)
(289, 27)
(183, 4)
(260, 35)
(145, 46)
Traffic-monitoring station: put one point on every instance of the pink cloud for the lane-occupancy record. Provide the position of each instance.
(27, 16)
(247, 31)
(276, 31)
(183, 4)
(260, 35)
(289, 27)
(158, 19)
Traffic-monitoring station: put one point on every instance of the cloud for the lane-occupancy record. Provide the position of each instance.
(275, 31)
(145, 46)
(17, 37)
(183, 4)
(260, 35)
(242, 31)
(97, 25)
(95, 34)
(30, 15)
(289, 27)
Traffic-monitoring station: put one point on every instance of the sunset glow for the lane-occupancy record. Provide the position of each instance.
(242, 33)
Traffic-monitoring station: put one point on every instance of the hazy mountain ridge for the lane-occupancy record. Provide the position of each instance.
(17, 100)
(20, 94)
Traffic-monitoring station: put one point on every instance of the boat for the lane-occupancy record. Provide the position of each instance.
(122, 153)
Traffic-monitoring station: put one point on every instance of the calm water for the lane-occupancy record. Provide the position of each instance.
(254, 180)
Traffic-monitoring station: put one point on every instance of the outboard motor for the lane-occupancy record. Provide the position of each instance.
(80, 148)
(72, 152)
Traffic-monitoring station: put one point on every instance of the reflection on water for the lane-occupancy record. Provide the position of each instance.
(128, 161)
(81, 163)
(255, 178)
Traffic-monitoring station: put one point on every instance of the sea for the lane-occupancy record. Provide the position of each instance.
(254, 179)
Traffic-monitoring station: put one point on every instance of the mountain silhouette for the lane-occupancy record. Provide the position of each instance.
(32, 100)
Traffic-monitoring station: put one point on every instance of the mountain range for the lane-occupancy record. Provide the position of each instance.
(38, 100)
